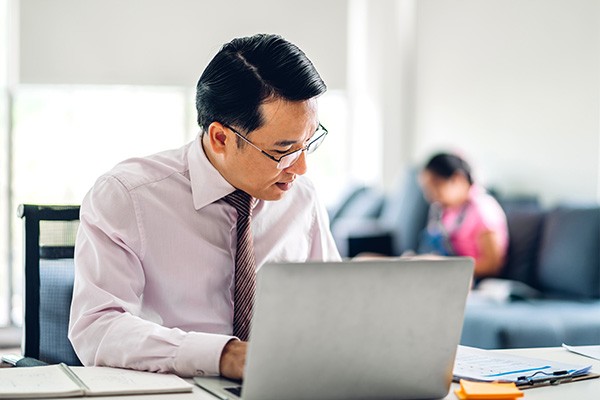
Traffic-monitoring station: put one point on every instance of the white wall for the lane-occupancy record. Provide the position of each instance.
(381, 84)
(514, 85)
(167, 42)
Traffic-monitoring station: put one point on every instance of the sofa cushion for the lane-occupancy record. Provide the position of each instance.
(524, 229)
(555, 322)
(569, 259)
(533, 323)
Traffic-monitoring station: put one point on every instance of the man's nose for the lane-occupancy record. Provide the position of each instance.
(299, 167)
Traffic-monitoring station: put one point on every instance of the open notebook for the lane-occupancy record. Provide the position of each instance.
(59, 380)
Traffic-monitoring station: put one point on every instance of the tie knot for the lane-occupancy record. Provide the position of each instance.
(242, 202)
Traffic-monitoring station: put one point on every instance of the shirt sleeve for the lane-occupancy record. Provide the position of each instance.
(323, 247)
(107, 326)
(493, 217)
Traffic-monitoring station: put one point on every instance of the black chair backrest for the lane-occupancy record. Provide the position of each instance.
(48, 282)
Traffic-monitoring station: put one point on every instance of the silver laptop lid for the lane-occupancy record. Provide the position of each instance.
(353, 330)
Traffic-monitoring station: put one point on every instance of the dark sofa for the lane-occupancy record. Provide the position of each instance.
(549, 291)
(551, 286)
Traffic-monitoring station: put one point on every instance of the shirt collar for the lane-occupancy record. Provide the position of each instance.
(208, 185)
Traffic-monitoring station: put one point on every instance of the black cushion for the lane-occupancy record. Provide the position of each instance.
(569, 260)
(524, 229)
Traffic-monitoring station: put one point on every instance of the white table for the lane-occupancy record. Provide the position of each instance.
(580, 390)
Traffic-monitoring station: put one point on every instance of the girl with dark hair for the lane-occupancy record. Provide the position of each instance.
(464, 220)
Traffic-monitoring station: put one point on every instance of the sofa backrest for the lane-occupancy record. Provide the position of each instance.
(364, 203)
(405, 212)
(525, 231)
(569, 255)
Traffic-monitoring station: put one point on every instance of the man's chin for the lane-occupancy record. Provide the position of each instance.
(273, 194)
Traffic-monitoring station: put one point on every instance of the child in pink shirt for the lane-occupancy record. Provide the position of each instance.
(464, 220)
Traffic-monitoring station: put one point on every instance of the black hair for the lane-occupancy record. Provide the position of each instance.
(249, 71)
(445, 165)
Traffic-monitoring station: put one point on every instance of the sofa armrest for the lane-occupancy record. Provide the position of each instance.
(379, 243)
(359, 235)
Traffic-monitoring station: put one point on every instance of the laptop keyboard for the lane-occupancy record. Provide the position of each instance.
(236, 390)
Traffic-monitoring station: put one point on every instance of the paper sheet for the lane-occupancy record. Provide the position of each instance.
(588, 351)
(484, 365)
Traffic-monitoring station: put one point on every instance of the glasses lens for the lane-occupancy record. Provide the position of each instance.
(312, 146)
(289, 159)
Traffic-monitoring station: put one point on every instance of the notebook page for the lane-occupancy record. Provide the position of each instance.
(36, 382)
(107, 381)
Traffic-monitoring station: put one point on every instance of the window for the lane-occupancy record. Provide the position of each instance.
(4, 164)
(65, 137)
(327, 167)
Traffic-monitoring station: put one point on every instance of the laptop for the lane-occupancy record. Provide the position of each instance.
(376, 329)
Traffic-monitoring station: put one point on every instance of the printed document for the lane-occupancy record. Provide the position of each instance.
(485, 365)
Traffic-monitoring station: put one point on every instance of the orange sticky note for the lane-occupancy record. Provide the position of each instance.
(487, 390)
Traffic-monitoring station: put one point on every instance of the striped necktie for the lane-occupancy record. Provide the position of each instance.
(245, 265)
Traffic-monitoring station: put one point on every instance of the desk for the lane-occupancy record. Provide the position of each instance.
(582, 390)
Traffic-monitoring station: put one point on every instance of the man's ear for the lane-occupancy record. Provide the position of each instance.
(217, 137)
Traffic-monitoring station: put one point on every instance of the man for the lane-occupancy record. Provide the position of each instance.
(165, 264)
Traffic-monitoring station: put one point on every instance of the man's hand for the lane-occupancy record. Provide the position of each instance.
(233, 359)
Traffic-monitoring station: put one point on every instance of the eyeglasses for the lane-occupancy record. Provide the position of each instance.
(287, 160)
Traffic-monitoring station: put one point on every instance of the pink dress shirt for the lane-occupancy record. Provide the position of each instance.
(154, 261)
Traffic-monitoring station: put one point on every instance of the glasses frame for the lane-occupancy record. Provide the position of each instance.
(306, 148)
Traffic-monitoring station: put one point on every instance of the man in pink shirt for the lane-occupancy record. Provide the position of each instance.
(155, 256)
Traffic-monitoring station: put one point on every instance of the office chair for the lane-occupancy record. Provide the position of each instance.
(48, 282)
